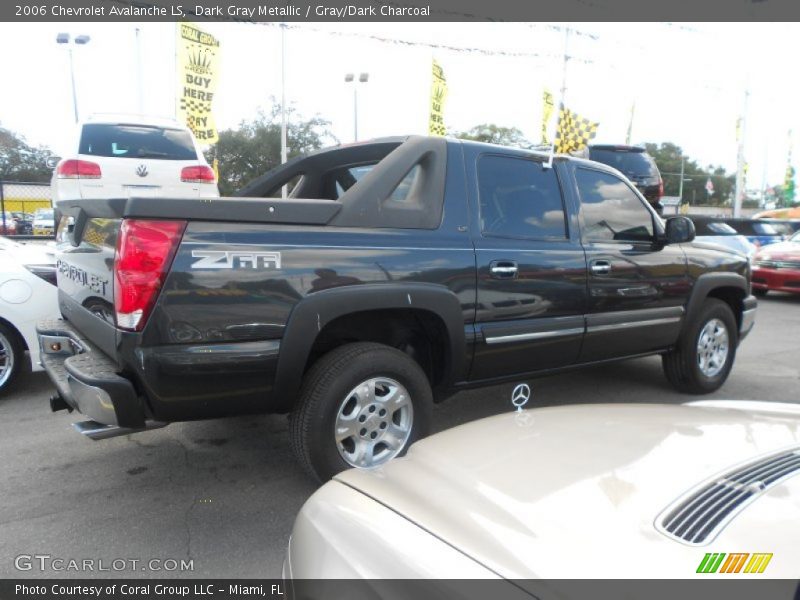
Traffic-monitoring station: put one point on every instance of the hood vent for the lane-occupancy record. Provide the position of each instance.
(698, 517)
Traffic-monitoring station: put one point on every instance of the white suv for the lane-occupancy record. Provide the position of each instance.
(120, 157)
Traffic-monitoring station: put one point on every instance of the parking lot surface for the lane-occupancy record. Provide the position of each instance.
(223, 494)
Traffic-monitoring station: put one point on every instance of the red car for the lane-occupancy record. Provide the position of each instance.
(777, 267)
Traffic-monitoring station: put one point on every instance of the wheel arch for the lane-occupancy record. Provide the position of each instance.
(730, 288)
(310, 317)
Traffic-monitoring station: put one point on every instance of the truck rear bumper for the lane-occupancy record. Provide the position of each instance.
(86, 378)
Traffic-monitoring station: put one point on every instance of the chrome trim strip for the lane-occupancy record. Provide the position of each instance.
(538, 335)
(631, 324)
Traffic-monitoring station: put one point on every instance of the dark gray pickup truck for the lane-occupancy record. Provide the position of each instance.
(396, 272)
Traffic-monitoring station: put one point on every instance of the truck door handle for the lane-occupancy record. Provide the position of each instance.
(601, 267)
(503, 269)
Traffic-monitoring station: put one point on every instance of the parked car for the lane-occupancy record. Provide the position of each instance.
(777, 267)
(716, 231)
(637, 165)
(24, 223)
(118, 156)
(354, 306)
(682, 491)
(8, 226)
(758, 232)
(27, 295)
(786, 227)
(44, 222)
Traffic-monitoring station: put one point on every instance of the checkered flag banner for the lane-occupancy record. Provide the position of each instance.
(573, 132)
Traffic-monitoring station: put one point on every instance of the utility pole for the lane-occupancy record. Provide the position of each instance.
(739, 191)
(680, 185)
(563, 93)
(139, 78)
(81, 40)
(284, 149)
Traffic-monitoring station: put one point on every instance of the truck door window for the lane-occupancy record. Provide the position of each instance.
(611, 210)
(519, 199)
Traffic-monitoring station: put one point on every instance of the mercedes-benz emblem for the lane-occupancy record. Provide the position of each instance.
(141, 171)
(520, 396)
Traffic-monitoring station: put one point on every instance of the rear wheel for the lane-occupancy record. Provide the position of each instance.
(703, 358)
(11, 356)
(361, 405)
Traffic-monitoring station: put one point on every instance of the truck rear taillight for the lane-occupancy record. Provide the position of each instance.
(198, 174)
(78, 169)
(145, 250)
(660, 188)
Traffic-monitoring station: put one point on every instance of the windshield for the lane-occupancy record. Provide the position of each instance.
(44, 214)
(137, 141)
(636, 164)
(765, 229)
(721, 229)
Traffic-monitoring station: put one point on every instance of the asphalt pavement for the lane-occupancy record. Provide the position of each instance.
(222, 495)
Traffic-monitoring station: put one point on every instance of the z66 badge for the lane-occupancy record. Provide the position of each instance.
(228, 259)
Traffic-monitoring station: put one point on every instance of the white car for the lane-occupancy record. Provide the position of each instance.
(28, 294)
(44, 222)
(620, 491)
(718, 232)
(120, 157)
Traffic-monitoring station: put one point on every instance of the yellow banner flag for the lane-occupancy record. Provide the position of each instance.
(547, 112)
(198, 70)
(438, 97)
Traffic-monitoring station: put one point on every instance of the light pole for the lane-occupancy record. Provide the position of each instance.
(350, 78)
(284, 146)
(81, 40)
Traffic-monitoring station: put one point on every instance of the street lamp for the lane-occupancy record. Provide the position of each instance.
(80, 40)
(350, 78)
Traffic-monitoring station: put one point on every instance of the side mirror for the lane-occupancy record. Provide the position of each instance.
(679, 230)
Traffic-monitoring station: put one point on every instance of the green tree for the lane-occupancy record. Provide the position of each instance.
(668, 157)
(495, 134)
(255, 146)
(20, 161)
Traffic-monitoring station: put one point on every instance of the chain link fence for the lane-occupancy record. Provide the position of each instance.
(26, 210)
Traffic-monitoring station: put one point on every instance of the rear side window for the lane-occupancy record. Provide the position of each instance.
(611, 211)
(519, 198)
(137, 141)
(631, 164)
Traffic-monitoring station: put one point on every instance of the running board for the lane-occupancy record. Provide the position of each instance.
(99, 431)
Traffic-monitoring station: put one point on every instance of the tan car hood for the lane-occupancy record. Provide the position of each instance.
(575, 491)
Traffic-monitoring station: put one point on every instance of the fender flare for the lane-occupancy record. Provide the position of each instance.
(314, 312)
(708, 282)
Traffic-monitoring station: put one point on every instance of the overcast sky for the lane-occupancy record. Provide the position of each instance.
(688, 80)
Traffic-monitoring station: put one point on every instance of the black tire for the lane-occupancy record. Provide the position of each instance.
(329, 383)
(11, 348)
(681, 364)
(760, 292)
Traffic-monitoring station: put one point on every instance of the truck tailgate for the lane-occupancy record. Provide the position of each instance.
(86, 257)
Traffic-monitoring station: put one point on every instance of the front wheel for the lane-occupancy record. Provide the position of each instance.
(11, 356)
(703, 358)
(360, 405)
